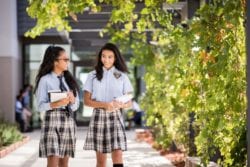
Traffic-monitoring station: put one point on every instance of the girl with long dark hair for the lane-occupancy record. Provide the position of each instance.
(103, 86)
(58, 137)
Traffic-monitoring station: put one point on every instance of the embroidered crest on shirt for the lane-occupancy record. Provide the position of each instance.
(117, 74)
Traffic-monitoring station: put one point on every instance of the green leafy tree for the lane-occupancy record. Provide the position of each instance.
(194, 67)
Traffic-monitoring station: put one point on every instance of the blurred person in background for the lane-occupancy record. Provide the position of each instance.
(19, 112)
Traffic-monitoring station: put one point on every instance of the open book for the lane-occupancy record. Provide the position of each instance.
(55, 95)
(124, 98)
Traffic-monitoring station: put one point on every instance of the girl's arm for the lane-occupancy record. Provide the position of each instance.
(127, 105)
(96, 104)
(60, 103)
(74, 101)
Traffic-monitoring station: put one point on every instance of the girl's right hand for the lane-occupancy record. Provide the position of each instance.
(114, 105)
(60, 103)
(110, 106)
(64, 102)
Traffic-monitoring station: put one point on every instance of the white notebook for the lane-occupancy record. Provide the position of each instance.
(56, 95)
(124, 98)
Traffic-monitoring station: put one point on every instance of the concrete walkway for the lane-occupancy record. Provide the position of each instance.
(139, 154)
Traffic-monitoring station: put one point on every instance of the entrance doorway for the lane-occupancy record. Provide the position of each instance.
(80, 71)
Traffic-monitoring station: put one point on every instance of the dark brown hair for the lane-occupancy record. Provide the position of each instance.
(119, 60)
(50, 56)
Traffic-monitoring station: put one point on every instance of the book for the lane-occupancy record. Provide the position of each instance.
(124, 98)
(56, 95)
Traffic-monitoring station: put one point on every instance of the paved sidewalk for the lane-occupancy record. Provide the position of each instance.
(139, 154)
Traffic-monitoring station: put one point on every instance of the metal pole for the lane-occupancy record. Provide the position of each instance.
(248, 80)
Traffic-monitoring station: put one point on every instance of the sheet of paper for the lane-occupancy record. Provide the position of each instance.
(55, 96)
(125, 98)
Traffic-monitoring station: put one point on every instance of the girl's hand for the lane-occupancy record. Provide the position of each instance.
(109, 106)
(60, 103)
(64, 102)
(71, 97)
(115, 105)
(118, 104)
(127, 105)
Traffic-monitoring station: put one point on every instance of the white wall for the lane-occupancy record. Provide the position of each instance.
(8, 29)
(10, 59)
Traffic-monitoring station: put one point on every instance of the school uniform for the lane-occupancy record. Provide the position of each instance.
(58, 131)
(106, 131)
(19, 115)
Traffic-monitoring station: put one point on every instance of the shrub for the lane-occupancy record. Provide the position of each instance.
(9, 133)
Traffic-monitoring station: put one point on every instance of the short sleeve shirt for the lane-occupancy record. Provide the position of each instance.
(113, 84)
(47, 83)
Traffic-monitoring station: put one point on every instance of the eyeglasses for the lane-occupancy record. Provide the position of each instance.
(66, 60)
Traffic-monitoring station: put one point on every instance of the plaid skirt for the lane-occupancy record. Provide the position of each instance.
(58, 135)
(106, 132)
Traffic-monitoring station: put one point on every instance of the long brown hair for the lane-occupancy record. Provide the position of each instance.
(119, 60)
(50, 56)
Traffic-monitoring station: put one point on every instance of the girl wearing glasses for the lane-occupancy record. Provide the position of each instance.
(108, 81)
(58, 137)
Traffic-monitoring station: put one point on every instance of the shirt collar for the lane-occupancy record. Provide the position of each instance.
(54, 74)
(110, 70)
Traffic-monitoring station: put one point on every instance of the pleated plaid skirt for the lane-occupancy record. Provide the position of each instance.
(58, 135)
(106, 132)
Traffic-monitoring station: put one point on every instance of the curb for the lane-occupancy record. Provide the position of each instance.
(196, 161)
(8, 149)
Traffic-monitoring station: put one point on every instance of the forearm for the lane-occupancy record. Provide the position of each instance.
(56, 104)
(88, 101)
(95, 104)
(127, 105)
(74, 106)
(60, 103)
(74, 102)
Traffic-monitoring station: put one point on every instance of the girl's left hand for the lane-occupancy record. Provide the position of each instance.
(127, 105)
(117, 104)
(71, 97)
